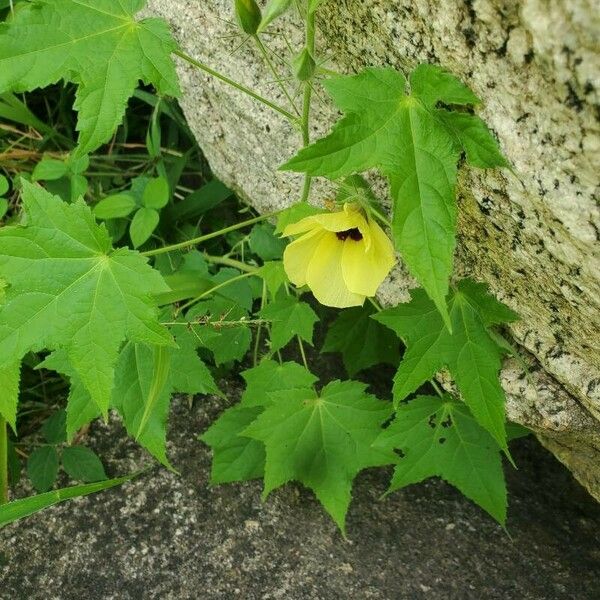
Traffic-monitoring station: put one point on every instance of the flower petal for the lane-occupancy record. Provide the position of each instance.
(298, 255)
(364, 268)
(325, 278)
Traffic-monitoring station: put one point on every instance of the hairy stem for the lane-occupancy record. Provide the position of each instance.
(238, 86)
(3, 461)
(273, 70)
(307, 99)
(208, 236)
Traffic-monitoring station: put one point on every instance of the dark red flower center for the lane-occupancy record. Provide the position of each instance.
(354, 234)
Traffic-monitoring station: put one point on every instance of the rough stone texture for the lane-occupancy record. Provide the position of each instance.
(532, 236)
(172, 537)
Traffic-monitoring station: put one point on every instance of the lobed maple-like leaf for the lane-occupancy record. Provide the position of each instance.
(68, 288)
(440, 437)
(321, 440)
(470, 353)
(96, 44)
(403, 134)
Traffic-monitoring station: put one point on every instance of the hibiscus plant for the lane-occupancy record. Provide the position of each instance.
(130, 324)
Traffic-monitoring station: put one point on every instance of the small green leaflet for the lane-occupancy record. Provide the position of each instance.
(42, 467)
(235, 457)
(70, 289)
(99, 46)
(472, 356)
(289, 317)
(82, 464)
(362, 341)
(322, 441)
(441, 438)
(405, 136)
(270, 376)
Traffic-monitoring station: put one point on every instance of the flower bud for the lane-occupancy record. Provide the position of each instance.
(249, 15)
(304, 66)
(273, 10)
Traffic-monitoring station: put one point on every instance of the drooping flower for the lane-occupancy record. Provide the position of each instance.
(342, 256)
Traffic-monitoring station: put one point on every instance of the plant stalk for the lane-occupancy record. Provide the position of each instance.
(307, 99)
(238, 86)
(208, 236)
(3, 461)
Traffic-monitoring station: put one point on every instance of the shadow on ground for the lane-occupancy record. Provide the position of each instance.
(168, 536)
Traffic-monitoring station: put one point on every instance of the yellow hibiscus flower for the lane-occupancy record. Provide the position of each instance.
(343, 256)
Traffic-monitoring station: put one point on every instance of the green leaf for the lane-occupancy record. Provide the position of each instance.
(264, 242)
(82, 464)
(3, 207)
(42, 467)
(98, 46)
(81, 408)
(440, 438)
(142, 396)
(474, 137)
(227, 342)
(270, 376)
(239, 292)
(70, 289)
(273, 10)
(48, 169)
(274, 276)
(4, 185)
(156, 193)
(471, 355)
(10, 376)
(144, 222)
(54, 428)
(322, 442)
(432, 84)
(147, 377)
(295, 213)
(362, 341)
(18, 509)
(289, 317)
(235, 457)
(402, 134)
(115, 207)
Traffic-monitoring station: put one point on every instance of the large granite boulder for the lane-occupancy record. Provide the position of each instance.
(533, 235)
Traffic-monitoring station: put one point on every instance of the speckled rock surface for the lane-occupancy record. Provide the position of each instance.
(532, 236)
(169, 537)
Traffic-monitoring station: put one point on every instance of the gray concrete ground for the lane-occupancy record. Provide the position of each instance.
(169, 536)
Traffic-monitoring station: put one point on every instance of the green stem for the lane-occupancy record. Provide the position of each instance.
(208, 236)
(273, 70)
(3, 461)
(307, 99)
(237, 86)
(214, 289)
(230, 262)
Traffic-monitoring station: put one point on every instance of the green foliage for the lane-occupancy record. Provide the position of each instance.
(98, 46)
(289, 317)
(82, 464)
(42, 467)
(321, 440)
(362, 341)
(235, 457)
(93, 297)
(9, 398)
(404, 135)
(440, 437)
(472, 356)
(273, 10)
